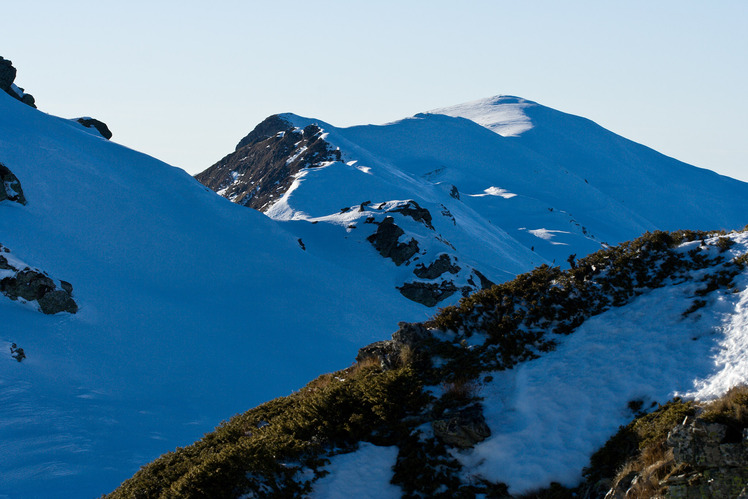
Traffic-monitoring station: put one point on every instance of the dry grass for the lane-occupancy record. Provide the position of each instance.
(461, 389)
(731, 408)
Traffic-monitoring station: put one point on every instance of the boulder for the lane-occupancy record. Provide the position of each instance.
(464, 429)
(427, 293)
(57, 300)
(436, 268)
(7, 75)
(10, 186)
(100, 126)
(385, 240)
(414, 211)
(27, 284)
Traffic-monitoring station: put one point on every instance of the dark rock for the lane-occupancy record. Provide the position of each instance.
(4, 265)
(268, 128)
(387, 352)
(485, 282)
(411, 333)
(17, 353)
(266, 161)
(29, 100)
(385, 240)
(33, 285)
(7, 75)
(438, 267)
(27, 284)
(464, 429)
(100, 126)
(390, 353)
(66, 286)
(414, 211)
(428, 294)
(454, 192)
(10, 186)
(57, 301)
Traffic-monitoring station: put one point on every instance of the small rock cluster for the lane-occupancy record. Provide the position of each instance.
(7, 77)
(34, 285)
(10, 186)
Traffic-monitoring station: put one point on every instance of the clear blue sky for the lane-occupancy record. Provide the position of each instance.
(184, 81)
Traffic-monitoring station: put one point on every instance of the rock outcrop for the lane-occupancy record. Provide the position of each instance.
(22, 282)
(462, 429)
(7, 77)
(389, 353)
(99, 126)
(386, 242)
(717, 465)
(262, 167)
(428, 293)
(436, 268)
(10, 186)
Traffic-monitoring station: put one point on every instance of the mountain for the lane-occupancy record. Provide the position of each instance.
(140, 308)
(557, 384)
(448, 202)
(188, 308)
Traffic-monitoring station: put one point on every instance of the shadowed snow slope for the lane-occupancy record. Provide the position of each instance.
(191, 309)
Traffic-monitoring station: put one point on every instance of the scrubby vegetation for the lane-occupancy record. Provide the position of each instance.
(279, 448)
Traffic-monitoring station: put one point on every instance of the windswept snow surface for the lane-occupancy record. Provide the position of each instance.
(192, 309)
(491, 169)
(365, 474)
(550, 414)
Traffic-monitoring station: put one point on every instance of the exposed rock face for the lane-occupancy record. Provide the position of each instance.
(709, 462)
(464, 429)
(385, 240)
(390, 352)
(438, 267)
(263, 166)
(7, 77)
(33, 285)
(428, 293)
(10, 186)
(414, 211)
(720, 466)
(100, 126)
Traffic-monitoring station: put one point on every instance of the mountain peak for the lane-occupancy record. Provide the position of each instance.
(503, 114)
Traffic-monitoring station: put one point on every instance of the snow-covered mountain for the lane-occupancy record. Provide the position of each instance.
(189, 308)
(140, 309)
(460, 197)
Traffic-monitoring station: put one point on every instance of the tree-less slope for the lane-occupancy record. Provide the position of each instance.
(189, 309)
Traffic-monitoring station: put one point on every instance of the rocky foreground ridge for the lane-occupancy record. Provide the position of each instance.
(421, 393)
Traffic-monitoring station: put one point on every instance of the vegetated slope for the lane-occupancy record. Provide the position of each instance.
(509, 392)
(188, 308)
(494, 188)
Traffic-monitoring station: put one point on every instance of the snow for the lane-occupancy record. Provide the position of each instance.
(192, 309)
(508, 120)
(517, 165)
(549, 415)
(365, 473)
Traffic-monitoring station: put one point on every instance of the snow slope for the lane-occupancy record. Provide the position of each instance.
(549, 415)
(510, 185)
(191, 309)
